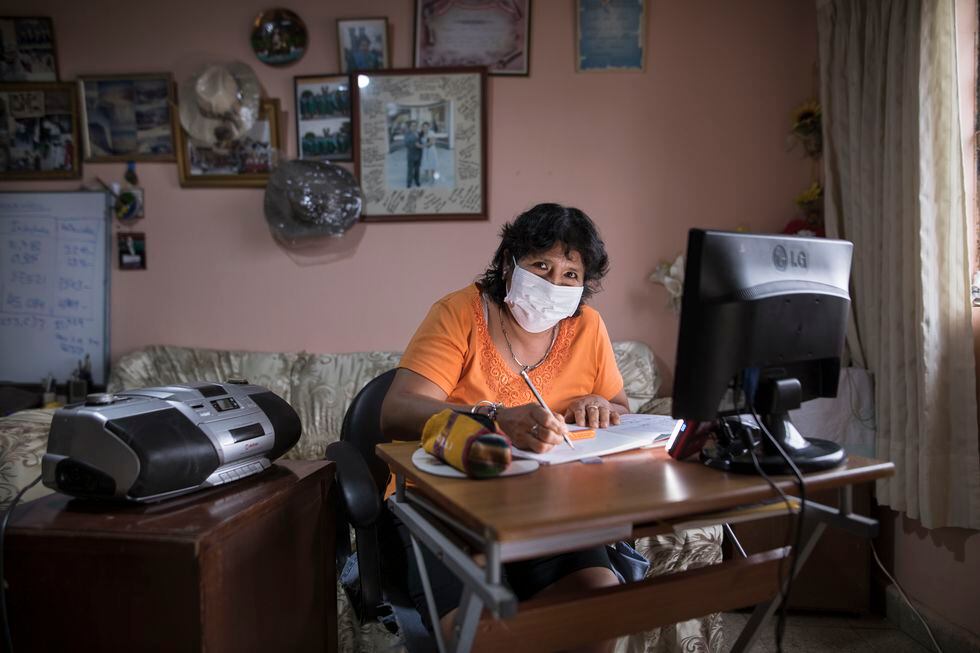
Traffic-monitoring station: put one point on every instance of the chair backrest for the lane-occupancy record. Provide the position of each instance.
(362, 425)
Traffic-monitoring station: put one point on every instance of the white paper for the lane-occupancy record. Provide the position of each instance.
(632, 432)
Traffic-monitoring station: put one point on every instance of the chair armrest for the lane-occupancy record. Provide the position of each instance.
(362, 504)
(360, 495)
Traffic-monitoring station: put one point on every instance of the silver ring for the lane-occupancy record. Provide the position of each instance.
(534, 430)
(596, 406)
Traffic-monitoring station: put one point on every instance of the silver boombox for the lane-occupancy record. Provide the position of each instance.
(153, 443)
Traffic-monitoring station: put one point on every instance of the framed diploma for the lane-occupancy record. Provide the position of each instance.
(610, 35)
(491, 33)
(421, 143)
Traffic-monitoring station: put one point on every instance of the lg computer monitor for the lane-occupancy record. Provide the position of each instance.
(763, 322)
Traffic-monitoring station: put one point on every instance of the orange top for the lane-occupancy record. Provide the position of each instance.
(452, 348)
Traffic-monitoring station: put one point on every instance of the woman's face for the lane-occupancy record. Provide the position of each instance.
(555, 267)
(425, 128)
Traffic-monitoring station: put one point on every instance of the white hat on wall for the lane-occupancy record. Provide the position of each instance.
(220, 103)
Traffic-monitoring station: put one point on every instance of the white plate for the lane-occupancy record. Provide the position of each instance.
(432, 465)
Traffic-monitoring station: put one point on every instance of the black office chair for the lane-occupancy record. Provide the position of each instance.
(362, 478)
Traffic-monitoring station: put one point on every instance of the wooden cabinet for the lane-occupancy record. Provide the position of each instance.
(837, 575)
(245, 567)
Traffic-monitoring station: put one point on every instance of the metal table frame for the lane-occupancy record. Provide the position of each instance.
(483, 586)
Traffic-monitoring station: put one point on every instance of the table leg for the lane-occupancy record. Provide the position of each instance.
(813, 528)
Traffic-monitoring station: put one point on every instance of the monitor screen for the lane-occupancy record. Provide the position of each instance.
(763, 323)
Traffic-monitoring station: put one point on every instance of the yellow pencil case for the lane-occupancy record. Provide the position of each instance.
(468, 442)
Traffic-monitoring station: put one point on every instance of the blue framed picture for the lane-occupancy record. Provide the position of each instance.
(610, 35)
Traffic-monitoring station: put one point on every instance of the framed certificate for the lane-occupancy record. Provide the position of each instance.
(491, 33)
(610, 35)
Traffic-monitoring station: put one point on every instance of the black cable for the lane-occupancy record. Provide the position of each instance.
(750, 445)
(7, 642)
(781, 621)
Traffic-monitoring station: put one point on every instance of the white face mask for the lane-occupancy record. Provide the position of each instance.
(536, 303)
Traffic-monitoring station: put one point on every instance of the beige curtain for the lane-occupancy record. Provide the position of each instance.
(894, 186)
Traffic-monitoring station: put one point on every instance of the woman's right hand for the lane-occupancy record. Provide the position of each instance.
(531, 427)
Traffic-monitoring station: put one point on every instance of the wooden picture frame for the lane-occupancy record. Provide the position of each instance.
(391, 108)
(610, 35)
(246, 164)
(128, 117)
(451, 33)
(324, 126)
(362, 44)
(39, 133)
(28, 51)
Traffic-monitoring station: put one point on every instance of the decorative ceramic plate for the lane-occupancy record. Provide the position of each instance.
(278, 37)
(429, 463)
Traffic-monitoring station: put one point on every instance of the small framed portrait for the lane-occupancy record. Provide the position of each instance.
(362, 44)
(127, 117)
(421, 150)
(132, 250)
(27, 52)
(279, 37)
(39, 131)
(245, 162)
(323, 117)
(466, 33)
(610, 35)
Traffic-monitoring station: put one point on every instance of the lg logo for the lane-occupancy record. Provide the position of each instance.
(793, 258)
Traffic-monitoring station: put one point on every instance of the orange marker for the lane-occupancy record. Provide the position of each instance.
(584, 434)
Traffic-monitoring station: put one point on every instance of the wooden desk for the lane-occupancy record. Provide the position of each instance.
(244, 567)
(572, 506)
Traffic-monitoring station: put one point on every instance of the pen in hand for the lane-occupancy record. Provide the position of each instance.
(537, 395)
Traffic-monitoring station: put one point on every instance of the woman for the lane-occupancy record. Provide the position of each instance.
(430, 158)
(527, 311)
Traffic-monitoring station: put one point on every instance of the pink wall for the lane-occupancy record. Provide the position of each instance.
(699, 139)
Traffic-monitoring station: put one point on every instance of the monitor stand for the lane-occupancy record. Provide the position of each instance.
(773, 401)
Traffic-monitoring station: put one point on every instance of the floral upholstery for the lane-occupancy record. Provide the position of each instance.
(320, 387)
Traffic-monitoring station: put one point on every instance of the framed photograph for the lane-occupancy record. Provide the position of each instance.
(247, 162)
(610, 35)
(132, 250)
(39, 131)
(127, 117)
(27, 52)
(362, 44)
(421, 148)
(323, 118)
(495, 34)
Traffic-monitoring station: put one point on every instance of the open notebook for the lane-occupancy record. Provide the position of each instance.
(632, 432)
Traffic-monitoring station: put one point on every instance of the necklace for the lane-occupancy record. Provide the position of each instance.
(510, 348)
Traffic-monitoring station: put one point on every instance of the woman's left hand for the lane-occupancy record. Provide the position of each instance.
(592, 411)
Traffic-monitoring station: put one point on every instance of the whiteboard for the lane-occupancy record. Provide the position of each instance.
(54, 285)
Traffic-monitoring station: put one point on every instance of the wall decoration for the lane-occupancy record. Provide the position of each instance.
(362, 44)
(127, 117)
(610, 35)
(494, 34)
(39, 131)
(27, 52)
(323, 117)
(279, 37)
(421, 147)
(220, 102)
(240, 163)
(132, 250)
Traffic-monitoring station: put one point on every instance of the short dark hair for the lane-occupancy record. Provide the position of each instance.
(537, 230)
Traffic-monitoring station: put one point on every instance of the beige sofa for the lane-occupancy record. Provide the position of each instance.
(320, 387)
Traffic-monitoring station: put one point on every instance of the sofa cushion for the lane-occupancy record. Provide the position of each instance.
(164, 365)
(323, 386)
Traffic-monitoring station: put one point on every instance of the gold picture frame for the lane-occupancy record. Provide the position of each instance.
(254, 155)
(127, 117)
